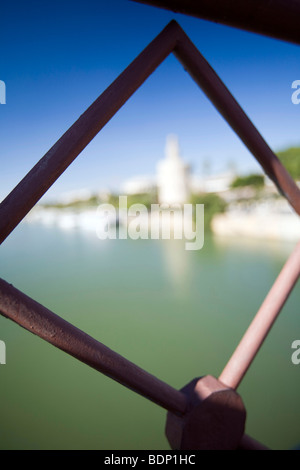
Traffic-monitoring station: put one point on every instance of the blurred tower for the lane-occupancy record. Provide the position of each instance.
(173, 175)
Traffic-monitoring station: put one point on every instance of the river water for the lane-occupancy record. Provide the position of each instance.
(177, 314)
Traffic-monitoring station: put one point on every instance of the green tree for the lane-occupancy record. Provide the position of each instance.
(290, 158)
(256, 181)
(213, 204)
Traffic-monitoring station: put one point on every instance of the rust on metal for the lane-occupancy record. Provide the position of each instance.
(276, 18)
(40, 321)
(254, 337)
(215, 419)
(172, 39)
(248, 443)
(228, 107)
(40, 178)
(211, 393)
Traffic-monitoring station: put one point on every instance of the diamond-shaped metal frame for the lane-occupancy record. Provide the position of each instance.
(39, 320)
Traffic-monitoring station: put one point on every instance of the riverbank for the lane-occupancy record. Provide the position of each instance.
(266, 219)
(269, 218)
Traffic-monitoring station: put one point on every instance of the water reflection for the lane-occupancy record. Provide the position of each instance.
(177, 263)
(274, 248)
(176, 313)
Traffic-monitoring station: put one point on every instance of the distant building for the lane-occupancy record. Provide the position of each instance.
(213, 184)
(174, 182)
(75, 195)
(173, 175)
(139, 185)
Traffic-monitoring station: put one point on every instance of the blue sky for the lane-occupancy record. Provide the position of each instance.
(58, 57)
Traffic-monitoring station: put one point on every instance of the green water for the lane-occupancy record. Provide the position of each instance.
(177, 314)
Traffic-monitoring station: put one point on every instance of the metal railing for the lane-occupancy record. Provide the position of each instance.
(40, 321)
(277, 18)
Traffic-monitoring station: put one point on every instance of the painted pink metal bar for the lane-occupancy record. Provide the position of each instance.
(40, 321)
(254, 337)
(34, 185)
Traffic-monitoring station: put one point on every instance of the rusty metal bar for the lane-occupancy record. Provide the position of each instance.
(254, 337)
(40, 321)
(34, 185)
(25, 195)
(220, 96)
(278, 19)
(37, 319)
(248, 443)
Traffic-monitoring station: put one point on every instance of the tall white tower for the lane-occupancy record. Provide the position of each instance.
(173, 175)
